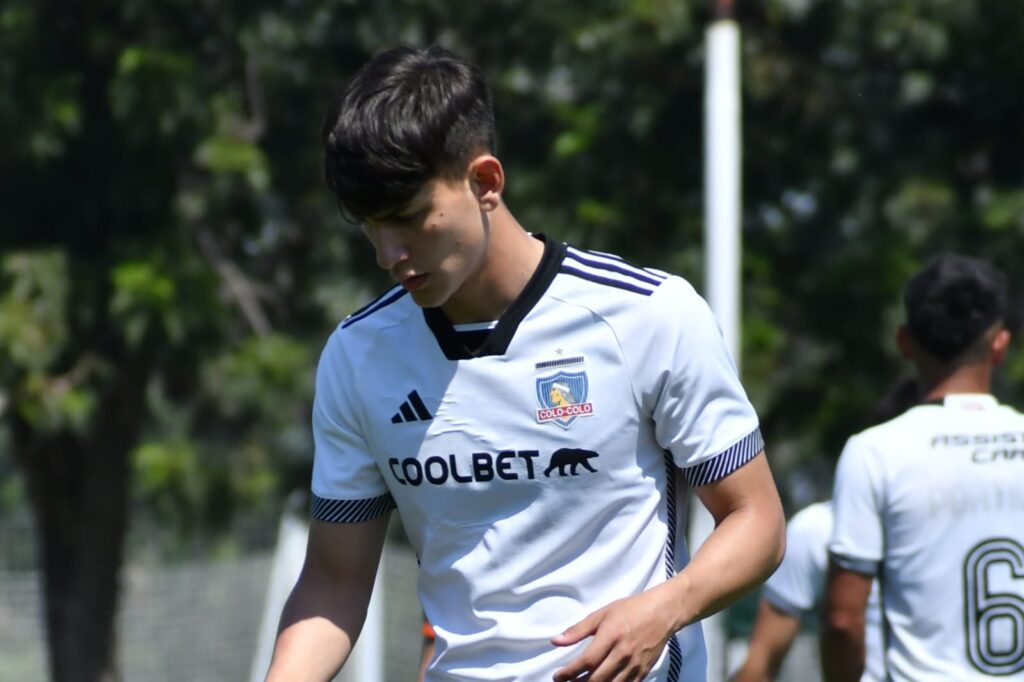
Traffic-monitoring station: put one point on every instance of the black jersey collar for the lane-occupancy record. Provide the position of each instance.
(500, 337)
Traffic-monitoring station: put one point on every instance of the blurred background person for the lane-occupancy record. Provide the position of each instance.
(931, 502)
(794, 592)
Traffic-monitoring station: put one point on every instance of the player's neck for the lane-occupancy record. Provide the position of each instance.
(969, 379)
(511, 258)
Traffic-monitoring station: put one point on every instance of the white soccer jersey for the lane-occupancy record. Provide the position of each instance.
(797, 586)
(538, 476)
(933, 501)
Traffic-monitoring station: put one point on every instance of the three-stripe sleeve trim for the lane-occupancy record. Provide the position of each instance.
(644, 289)
(372, 307)
(350, 511)
(724, 463)
(611, 271)
(603, 262)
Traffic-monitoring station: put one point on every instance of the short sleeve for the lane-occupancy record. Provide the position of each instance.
(347, 484)
(857, 540)
(797, 584)
(701, 412)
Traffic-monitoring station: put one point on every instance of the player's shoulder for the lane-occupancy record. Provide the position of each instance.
(814, 517)
(885, 447)
(608, 274)
(606, 281)
(811, 526)
(1009, 413)
(388, 308)
(910, 423)
(361, 327)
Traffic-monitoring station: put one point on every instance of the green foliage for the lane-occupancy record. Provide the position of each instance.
(163, 197)
(168, 248)
(169, 473)
(33, 301)
(876, 135)
(143, 296)
(34, 336)
(1002, 210)
(260, 376)
(222, 154)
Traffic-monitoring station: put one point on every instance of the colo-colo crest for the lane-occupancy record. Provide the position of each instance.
(562, 398)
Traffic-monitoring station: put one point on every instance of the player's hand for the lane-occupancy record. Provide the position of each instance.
(629, 636)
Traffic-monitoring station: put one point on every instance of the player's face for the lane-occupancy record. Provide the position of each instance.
(434, 244)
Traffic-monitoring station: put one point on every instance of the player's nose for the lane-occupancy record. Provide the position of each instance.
(389, 246)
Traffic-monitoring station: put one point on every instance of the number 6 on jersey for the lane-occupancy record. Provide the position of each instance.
(995, 618)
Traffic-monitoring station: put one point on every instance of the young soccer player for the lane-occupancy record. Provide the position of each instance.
(797, 587)
(535, 412)
(932, 502)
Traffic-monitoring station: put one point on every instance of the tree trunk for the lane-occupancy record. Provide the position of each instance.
(81, 521)
(79, 490)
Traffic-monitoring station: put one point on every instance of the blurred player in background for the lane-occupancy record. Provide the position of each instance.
(796, 588)
(932, 502)
(794, 591)
(537, 414)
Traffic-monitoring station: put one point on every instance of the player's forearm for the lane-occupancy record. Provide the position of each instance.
(770, 641)
(739, 555)
(842, 646)
(315, 636)
(842, 630)
(309, 651)
(755, 669)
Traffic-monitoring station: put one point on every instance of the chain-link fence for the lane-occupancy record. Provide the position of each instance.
(186, 620)
(197, 618)
(193, 618)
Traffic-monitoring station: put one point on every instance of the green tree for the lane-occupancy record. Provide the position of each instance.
(877, 134)
(170, 262)
(156, 294)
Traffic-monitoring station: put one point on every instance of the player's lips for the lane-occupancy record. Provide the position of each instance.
(414, 282)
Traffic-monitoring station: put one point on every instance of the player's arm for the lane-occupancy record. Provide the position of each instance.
(842, 632)
(325, 611)
(747, 544)
(856, 550)
(773, 635)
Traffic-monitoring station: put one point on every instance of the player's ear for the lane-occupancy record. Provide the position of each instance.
(997, 348)
(487, 178)
(905, 343)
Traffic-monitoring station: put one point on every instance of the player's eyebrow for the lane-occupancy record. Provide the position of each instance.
(410, 209)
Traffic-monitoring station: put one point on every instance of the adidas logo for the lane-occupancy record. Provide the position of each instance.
(412, 410)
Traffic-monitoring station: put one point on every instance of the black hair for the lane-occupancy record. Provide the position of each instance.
(409, 115)
(952, 302)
